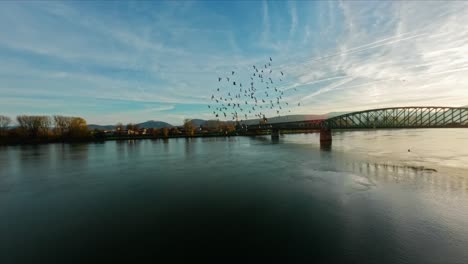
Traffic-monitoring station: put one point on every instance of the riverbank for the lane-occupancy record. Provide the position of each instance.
(6, 141)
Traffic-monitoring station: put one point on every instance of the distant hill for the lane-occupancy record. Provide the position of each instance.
(147, 124)
(154, 124)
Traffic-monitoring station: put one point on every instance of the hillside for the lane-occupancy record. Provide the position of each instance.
(154, 124)
(147, 124)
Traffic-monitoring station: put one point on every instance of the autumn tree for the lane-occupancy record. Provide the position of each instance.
(78, 128)
(227, 128)
(189, 128)
(67, 126)
(155, 132)
(174, 131)
(165, 132)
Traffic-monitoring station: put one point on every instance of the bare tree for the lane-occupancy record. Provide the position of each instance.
(132, 128)
(34, 126)
(5, 121)
(119, 127)
(62, 125)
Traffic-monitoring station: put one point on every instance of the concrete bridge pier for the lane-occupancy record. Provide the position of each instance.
(325, 137)
(275, 133)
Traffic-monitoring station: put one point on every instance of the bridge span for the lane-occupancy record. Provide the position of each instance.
(392, 117)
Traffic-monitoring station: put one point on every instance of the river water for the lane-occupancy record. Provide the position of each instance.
(386, 196)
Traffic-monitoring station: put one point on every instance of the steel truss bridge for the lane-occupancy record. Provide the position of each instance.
(393, 117)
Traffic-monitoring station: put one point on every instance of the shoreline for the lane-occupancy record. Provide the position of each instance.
(139, 137)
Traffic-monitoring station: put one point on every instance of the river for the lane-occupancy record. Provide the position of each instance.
(385, 196)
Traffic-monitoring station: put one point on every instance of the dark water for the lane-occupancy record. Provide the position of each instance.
(367, 200)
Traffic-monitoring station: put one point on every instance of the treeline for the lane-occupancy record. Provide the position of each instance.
(33, 129)
(188, 129)
(43, 129)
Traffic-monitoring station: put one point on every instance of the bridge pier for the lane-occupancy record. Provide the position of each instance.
(325, 137)
(275, 133)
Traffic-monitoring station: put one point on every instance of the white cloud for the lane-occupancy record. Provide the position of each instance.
(424, 48)
(378, 54)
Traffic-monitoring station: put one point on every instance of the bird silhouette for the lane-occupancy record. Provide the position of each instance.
(256, 96)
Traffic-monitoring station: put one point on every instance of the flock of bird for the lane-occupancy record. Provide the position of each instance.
(236, 100)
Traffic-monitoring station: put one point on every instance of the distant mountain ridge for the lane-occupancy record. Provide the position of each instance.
(202, 122)
(147, 124)
(154, 124)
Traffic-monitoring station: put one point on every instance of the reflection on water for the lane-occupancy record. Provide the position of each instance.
(366, 199)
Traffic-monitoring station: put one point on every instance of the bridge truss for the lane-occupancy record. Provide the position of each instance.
(401, 117)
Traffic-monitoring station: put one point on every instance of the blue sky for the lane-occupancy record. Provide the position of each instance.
(135, 61)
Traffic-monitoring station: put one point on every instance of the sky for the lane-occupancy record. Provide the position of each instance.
(123, 61)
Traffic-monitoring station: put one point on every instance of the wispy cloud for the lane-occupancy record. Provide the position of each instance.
(161, 61)
(294, 19)
(265, 35)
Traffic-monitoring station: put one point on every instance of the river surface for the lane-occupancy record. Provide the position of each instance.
(386, 196)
